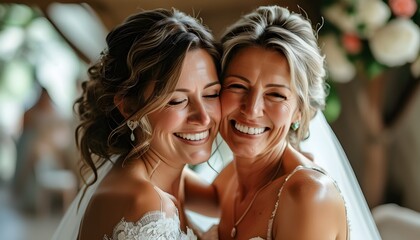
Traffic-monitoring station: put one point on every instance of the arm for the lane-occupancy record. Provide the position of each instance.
(204, 197)
(311, 207)
(200, 195)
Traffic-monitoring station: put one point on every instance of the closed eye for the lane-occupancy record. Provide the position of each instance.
(216, 95)
(236, 86)
(277, 95)
(176, 102)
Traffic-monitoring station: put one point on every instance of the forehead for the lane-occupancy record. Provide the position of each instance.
(257, 62)
(198, 66)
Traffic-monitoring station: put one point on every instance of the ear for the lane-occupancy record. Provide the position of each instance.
(120, 103)
(297, 116)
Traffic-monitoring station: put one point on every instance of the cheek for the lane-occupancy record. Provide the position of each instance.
(229, 102)
(214, 110)
(166, 121)
(280, 114)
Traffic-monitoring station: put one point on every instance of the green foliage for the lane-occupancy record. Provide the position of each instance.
(333, 106)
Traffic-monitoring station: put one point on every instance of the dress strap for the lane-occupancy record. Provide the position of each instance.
(273, 214)
(160, 197)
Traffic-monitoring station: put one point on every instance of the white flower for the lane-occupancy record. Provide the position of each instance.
(339, 67)
(415, 68)
(372, 14)
(396, 43)
(337, 14)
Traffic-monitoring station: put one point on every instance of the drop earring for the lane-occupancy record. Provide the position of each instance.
(132, 125)
(295, 125)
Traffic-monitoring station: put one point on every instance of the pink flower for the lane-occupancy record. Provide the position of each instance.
(403, 8)
(352, 43)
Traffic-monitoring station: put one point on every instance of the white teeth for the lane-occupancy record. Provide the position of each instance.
(248, 130)
(193, 136)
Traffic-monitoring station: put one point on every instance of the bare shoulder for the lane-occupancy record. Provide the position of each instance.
(112, 203)
(309, 185)
(311, 205)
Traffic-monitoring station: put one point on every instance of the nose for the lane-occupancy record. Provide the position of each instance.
(199, 115)
(253, 105)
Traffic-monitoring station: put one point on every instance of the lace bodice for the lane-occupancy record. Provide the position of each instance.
(153, 225)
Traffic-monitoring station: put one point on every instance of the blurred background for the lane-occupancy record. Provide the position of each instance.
(372, 50)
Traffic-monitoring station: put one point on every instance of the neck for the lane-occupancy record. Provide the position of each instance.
(165, 176)
(253, 173)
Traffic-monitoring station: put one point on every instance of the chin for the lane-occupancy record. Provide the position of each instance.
(242, 151)
(199, 157)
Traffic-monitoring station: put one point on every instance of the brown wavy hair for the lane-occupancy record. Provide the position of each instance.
(146, 51)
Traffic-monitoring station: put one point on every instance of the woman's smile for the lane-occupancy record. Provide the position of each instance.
(194, 136)
(249, 130)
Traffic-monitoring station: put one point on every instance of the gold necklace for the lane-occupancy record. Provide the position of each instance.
(235, 225)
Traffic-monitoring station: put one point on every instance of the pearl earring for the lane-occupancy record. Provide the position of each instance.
(132, 125)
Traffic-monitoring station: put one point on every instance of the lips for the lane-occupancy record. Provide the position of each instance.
(248, 129)
(193, 136)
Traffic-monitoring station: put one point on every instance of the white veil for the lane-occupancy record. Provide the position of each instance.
(328, 154)
(68, 228)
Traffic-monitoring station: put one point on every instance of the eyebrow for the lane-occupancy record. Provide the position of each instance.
(207, 86)
(268, 85)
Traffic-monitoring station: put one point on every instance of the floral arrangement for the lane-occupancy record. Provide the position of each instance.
(369, 36)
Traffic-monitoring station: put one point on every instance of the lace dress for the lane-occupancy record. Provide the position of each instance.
(153, 225)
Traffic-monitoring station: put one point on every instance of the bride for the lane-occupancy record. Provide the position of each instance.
(150, 107)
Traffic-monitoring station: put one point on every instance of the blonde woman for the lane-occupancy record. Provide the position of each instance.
(273, 85)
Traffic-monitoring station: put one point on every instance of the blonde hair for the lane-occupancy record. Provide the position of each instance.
(291, 34)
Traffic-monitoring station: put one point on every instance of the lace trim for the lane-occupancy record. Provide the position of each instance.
(153, 225)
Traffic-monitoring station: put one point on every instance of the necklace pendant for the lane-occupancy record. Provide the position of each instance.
(233, 232)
